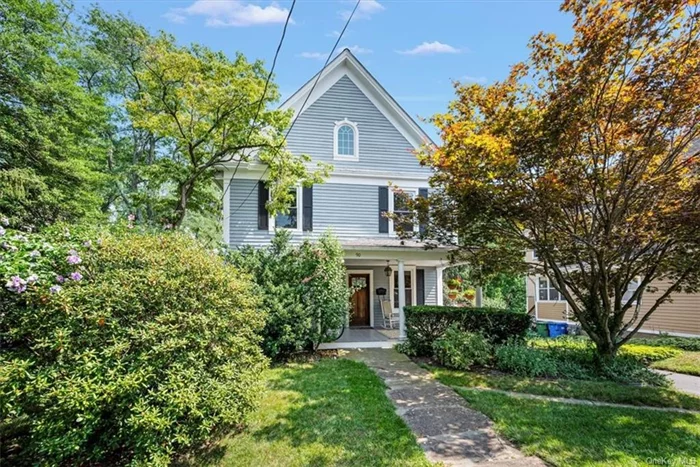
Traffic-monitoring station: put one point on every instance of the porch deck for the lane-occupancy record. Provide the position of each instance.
(364, 338)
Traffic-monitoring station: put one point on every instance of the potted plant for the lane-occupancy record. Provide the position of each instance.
(452, 284)
(452, 294)
(469, 294)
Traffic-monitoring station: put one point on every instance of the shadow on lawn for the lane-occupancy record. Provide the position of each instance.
(576, 435)
(334, 412)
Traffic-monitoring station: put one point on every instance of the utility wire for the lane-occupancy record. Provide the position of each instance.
(261, 102)
(318, 77)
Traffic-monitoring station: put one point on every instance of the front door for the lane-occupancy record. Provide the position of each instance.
(360, 299)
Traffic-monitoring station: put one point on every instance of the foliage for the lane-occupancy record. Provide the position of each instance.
(333, 412)
(574, 359)
(501, 290)
(581, 348)
(585, 155)
(426, 323)
(150, 351)
(208, 111)
(570, 435)
(599, 391)
(683, 343)
(303, 288)
(461, 350)
(686, 362)
(51, 149)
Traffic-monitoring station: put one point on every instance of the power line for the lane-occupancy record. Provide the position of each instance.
(318, 77)
(261, 102)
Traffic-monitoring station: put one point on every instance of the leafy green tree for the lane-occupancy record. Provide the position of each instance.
(585, 155)
(205, 108)
(51, 150)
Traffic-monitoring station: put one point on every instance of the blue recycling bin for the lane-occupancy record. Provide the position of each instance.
(556, 329)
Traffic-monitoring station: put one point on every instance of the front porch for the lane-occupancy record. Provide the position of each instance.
(364, 338)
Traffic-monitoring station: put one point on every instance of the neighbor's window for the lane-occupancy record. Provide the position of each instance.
(409, 288)
(547, 292)
(631, 289)
(403, 214)
(346, 141)
(289, 220)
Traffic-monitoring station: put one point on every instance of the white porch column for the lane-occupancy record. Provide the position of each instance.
(439, 286)
(402, 301)
(479, 297)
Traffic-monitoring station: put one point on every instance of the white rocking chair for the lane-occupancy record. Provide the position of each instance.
(390, 316)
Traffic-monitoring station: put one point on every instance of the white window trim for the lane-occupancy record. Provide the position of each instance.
(300, 215)
(392, 191)
(371, 292)
(549, 283)
(414, 296)
(356, 141)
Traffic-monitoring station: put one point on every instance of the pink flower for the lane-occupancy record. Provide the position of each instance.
(16, 284)
(74, 259)
(54, 289)
(76, 276)
(60, 279)
(131, 217)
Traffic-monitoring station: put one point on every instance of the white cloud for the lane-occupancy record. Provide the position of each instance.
(313, 55)
(365, 9)
(430, 48)
(333, 34)
(357, 50)
(230, 13)
(473, 79)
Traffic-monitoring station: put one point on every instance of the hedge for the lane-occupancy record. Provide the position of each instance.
(426, 323)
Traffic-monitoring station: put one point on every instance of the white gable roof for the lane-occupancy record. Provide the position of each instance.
(346, 64)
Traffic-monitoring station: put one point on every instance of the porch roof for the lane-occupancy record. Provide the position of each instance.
(389, 243)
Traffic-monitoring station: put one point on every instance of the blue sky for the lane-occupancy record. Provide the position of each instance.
(415, 48)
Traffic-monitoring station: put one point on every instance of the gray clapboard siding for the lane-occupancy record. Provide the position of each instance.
(349, 211)
(382, 146)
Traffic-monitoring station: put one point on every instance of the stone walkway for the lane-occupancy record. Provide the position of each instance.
(446, 428)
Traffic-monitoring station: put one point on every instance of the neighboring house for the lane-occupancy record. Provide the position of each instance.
(351, 122)
(679, 316)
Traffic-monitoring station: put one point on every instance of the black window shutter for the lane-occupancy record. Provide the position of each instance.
(307, 198)
(263, 196)
(383, 208)
(420, 286)
(422, 193)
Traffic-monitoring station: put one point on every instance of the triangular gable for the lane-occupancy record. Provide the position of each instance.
(346, 64)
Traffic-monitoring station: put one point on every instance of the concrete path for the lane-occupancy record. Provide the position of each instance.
(564, 400)
(685, 383)
(446, 428)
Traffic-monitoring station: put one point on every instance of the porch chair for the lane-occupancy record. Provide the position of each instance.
(390, 316)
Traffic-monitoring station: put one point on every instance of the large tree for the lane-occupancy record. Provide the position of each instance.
(585, 155)
(51, 149)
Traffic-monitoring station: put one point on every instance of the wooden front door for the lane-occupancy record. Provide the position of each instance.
(359, 310)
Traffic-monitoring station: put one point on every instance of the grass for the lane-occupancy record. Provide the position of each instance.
(564, 435)
(603, 391)
(687, 362)
(333, 412)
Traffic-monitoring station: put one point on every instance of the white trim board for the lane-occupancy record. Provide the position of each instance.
(371, 290)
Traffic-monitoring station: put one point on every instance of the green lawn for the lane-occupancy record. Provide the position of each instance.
(333, 412)
(575, 389)
(574, 435)
(687, 362)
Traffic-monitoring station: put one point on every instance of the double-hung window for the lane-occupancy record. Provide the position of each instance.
(547, 292)
(403, 215)
(290, 219)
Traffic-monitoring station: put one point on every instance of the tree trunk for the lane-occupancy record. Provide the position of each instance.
(185, 190)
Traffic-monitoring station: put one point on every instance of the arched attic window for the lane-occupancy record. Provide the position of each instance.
(346, 141)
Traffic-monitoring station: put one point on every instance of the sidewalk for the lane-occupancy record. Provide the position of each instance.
(446, 428)
(685, 383)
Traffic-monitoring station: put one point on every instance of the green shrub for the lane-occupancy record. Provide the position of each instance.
(426, 323)
(461, 350)
(631, 371)
(514, 357)
(691, 344)
(151, 352)
(303, 289)
(647, 353)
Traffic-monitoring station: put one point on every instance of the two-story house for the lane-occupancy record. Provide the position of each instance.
(352, 122)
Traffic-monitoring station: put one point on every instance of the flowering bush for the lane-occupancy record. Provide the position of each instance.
(129, 349)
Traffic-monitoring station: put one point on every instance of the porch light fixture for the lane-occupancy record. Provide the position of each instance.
(387, 269)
